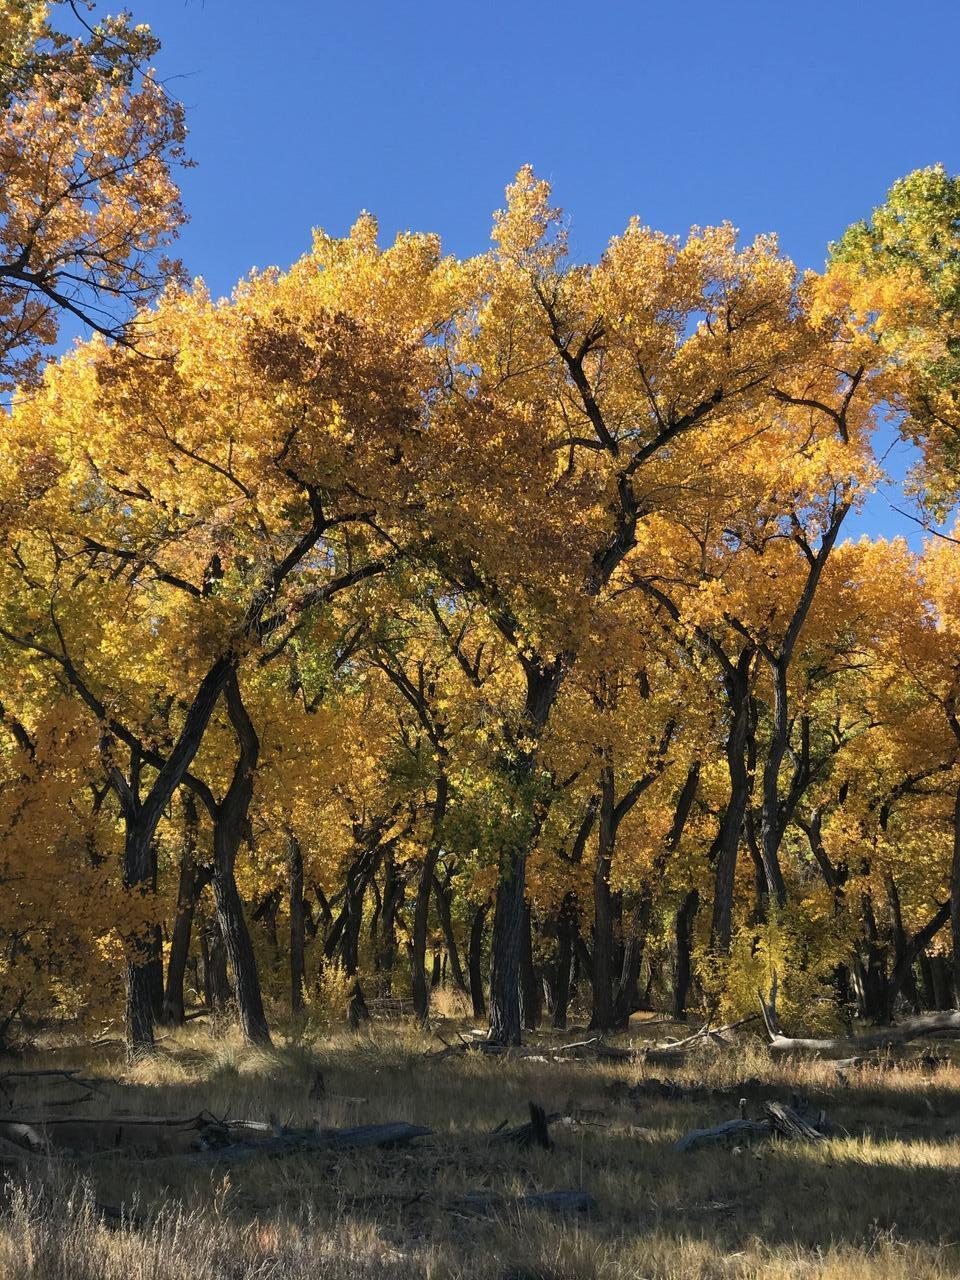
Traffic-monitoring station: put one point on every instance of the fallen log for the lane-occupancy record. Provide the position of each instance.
(125, 1134)
(778, 1120)
(945, 1024)
(729, 1131)
(311, 1141)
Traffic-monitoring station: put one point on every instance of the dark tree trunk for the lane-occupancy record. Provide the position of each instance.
(566, 931)
(265, 913)
(155, 969)
(531, 992)
(870, 969)
(139, 874)
(216, 981)
(727, 843)
(686, 914)
(141, 818)
(627, 997)
(246, 983)
(421, 996)
(945, 992)
(929, 988)
(386, 947)
(901, 961)
(777, 811)
(475, 960)
(442, 897)
(955, 894)
(602, 1016)
(191, 883)
(903, 964)
(543, 682)
(298, 963)
(230, 826)
(505, 949)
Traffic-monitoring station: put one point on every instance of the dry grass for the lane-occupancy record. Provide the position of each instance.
(877, 1204)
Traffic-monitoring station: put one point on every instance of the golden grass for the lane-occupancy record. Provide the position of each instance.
(877, 1203)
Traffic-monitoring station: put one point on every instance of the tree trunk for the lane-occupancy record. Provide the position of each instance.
(421, 995)
(385, 952)
(231, 824)
(955, 895)
(298, 963)
(505, 949)
(602, 1015)
(475, 960)
(566, 930)
(686, 914)
(945, 997)
(216, 981)
(627, 997)
(239, 948)
(531, 992)
(188, 891)
(442, 898)
(727, 842)
(141, 818)
(138, 874)
(543, 682)
(265, 912)
(870, 969)
(902, 965)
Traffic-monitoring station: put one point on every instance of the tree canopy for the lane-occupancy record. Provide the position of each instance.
(403, 611)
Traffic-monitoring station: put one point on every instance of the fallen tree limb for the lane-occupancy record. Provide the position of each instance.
(309, 1141)
(728, 1132)
(54, 1075)
(946, 1024)
(675, 1051)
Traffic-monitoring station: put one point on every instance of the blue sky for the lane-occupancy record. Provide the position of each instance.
(791, 116)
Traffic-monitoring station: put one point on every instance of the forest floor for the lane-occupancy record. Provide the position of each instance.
(879, 1200)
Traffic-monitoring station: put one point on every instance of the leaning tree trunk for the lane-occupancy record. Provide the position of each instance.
(192, 881)
(141, 819)
(231, 824)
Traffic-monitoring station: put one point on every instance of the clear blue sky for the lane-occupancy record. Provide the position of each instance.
(791, 116)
